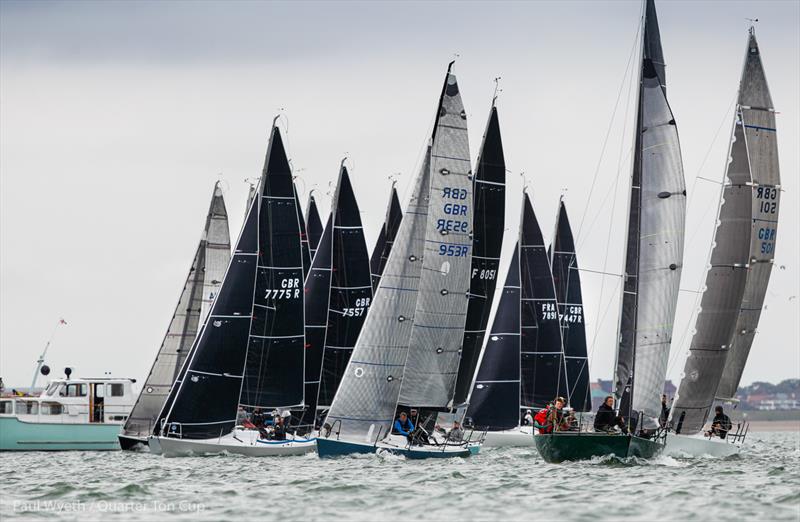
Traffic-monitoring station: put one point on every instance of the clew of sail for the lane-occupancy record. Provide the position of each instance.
(434, 350)
(757, 116)
(654, 252)
(489, 194)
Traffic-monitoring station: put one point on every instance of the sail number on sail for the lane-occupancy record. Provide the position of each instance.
(290, 289)
(359, 309)
(768, 204)
(453, 225)
(574, 315)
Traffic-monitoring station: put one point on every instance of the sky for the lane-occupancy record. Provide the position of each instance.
(117, 118)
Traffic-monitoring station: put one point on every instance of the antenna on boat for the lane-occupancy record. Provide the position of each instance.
(497, 89)
(753, 22)
(40, 361)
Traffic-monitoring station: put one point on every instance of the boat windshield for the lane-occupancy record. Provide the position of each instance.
(51, 390)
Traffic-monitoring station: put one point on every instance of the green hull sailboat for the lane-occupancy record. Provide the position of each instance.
(566, 446)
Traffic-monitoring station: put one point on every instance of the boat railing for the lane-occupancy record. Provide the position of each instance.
(329, 428)
(740, 434)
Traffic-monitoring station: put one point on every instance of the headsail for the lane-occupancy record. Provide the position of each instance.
(250, 351)
(383, 246)
(304, 242)
(204, 278)
(567, 279)
(434, 350)
(757, 116)
(654, 251)
(543, 370)
(313, 225)
(489, 194)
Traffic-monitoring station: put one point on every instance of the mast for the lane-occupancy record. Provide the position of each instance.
(757, 117)
(487, 240)
(566, 276)
(383, 246)
(313, 225)
(654, 249)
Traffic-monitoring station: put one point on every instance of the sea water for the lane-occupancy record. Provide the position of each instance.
(763, 483)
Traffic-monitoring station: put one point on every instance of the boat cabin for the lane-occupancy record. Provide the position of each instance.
(75, 401)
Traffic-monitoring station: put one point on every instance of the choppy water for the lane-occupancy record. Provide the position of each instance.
(499, 484)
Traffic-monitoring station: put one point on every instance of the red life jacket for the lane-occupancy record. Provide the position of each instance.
(541, 420)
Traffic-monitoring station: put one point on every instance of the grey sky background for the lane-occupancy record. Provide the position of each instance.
(116, 118)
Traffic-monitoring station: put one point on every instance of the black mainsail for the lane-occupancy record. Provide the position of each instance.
(542, 366)
(522, 365)
(202, 283)
(489, 194)
(313, 225)
(741, 259)
(251, 349)
(566, 276)
(350, 290)
(383, 246)
(308, 255)
(654, 246)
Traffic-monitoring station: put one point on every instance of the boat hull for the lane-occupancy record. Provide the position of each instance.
(329, 448)
(128, 443)
(16, 435)
(699, 446)
(565, 446)
(517, 437)
(240, 444)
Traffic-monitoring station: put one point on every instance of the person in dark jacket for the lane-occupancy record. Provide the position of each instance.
(721, 424)
(279, 429)
(606, 419)
(404, 426)
(664, 417)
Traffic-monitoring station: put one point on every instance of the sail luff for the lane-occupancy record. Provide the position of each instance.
(759, 130)
(488, 226)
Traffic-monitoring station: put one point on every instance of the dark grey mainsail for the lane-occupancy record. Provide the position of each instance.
(202, 283)
(489, 194)
(567, 279)
(383, 246)
(654, 251)
(313, 225)
(250, 351)
(434, 351)
(757, 116)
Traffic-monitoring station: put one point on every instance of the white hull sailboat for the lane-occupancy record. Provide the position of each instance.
(520, 436)
(241, 441)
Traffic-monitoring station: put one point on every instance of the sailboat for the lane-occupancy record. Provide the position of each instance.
(408, 351)
(338, 295)
(383, 246)
(522, 367)
(489, 195)
(567, 280)
(741, 263)
(313, 225)
(654, 252)
(202, 284)
(247, 363)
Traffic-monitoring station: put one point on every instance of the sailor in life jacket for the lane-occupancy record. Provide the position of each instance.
(548, 418)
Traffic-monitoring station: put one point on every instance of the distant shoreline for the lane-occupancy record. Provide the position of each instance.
(774, 425)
